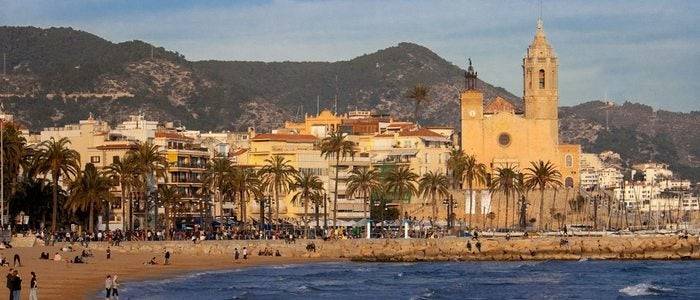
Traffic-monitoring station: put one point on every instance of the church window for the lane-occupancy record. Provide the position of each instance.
(541, 79)
(504, 139)
(569, 160)
(569, 182)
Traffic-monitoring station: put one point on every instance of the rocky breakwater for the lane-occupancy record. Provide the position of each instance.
(444, 249)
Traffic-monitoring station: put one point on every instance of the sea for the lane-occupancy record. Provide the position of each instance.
(586, 279)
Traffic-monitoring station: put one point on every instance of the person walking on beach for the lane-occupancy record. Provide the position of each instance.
(109, 253)
(10, 278)
(17, 262)
(235, 254)
(16, 285)
(167, 257)
(245, 253)
(33, 287)
(108, 287)
(115, 288)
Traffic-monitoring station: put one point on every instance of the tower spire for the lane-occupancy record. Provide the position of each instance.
(470, 77)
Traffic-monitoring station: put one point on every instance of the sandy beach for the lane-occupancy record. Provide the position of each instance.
(61, 280)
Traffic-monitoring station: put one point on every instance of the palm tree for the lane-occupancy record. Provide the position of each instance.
(306, 185)
(419, 94)
(504, 181)
(455, 167)
(400, 180)
(433, 186)
(247, 184)
(364, 181)
(168, 196)
(277, 175)
(474, 173)
(151, 165)
(215, 175)
(521, 190)
(542, 175)
(56, 159)
(123, 172)
(89, 191)
(335, 146)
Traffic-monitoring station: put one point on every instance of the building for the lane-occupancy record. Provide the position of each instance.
(500, 135)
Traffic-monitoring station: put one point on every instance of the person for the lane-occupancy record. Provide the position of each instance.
(109, 253)
(16, 261)
(167, 257)
(56, 257)
(78, 260)
(3, 261)
(277, 253)
(108, 287)
(235, 254)
(152, 261)
(10, 278)
(115, 288)
(478, 246)
(245, 253)
(33, 287)
(16, 285)
(469, 246)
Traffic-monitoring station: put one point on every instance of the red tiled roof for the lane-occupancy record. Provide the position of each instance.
(290, 138)
(419, 132)
(116, 147)
(171, 135)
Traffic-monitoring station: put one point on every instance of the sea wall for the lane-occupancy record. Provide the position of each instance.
(538, 248)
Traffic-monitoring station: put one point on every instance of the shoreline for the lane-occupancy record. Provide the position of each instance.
(61, 280)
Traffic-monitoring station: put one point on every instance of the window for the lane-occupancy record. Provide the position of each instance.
(569, 160)
(94, 159)
(504, 139)
(541, 79)
(115, 159)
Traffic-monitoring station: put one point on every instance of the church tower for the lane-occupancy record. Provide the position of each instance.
(540, 84)
(472, 113)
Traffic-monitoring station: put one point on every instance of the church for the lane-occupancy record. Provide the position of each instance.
(498, 134)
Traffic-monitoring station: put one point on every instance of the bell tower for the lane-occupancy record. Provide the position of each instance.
(472, 113)
(540, 84)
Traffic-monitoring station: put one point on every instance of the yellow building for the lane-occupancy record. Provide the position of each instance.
(499, 135)
(320, 126)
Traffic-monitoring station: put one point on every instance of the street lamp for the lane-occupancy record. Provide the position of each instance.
(451, 205)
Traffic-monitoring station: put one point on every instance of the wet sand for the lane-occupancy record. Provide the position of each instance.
(61, 280)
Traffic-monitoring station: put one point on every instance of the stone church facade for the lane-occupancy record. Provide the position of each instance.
(501, 135)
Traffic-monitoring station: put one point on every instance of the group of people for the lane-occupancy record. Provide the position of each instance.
(111, 288)
(14, 285)
(268, 252)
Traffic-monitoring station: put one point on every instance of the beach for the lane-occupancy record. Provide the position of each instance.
(61, 280)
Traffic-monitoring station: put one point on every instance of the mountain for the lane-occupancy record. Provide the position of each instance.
(57, 76)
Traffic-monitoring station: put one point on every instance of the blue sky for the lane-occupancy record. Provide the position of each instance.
(642, 51)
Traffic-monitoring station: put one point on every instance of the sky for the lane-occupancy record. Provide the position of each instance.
(639, 51)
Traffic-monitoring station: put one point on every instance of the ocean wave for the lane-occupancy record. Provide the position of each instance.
(643, 289)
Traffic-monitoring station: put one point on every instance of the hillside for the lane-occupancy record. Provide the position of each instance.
(57, 76)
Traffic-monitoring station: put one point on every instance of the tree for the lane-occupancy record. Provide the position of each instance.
(542, 175)
(123, 172)
(247, 184)
(276, 177)
(521, 189)
(433, 186)
(90, 190)
(455, 167)
(400, 180)
(419, 94)
(168, 197)
(306, 185)
(56, 159)
(150, 164)
(504, 181)
(363, 181)
(216, 174)
(33, 197)
(336, 146)
(474, 173)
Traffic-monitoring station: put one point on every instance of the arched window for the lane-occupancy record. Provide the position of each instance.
(569, 160)
(541, 79)
(569, 182)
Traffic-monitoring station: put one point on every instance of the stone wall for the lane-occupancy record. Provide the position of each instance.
(538, 248)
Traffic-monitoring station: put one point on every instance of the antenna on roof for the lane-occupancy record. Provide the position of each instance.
(540, 17)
